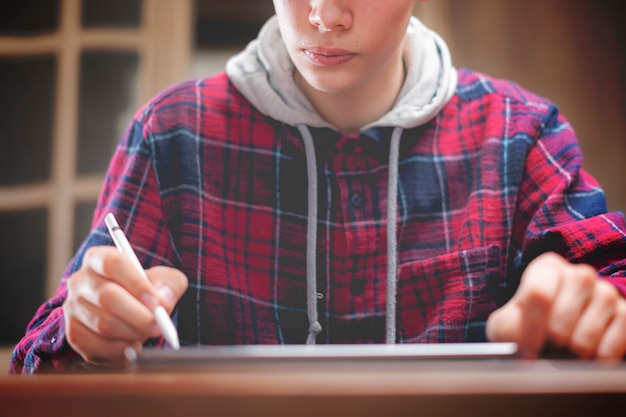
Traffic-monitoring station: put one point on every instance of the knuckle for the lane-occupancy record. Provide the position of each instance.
(73, 282)
(103, 260)
(584, 276)
(112, 264)
(68, 310)
(107, 296)
(606, 294)
(90, 254)
(104, 325)
(539, 298)
(101, 325)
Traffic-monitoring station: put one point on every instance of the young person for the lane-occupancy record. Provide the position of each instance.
(342, 182)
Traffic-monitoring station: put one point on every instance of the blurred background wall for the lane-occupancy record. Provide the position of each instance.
(72, 73)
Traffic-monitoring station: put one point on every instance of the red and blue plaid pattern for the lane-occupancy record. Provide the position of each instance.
(205, 183)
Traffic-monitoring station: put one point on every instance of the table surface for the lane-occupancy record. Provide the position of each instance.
(327, 388)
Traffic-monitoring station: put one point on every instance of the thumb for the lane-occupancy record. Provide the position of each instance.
(170, 285)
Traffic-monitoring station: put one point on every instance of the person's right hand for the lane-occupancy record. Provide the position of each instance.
(109, 305)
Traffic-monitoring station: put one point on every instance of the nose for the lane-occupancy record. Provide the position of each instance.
(329, 15)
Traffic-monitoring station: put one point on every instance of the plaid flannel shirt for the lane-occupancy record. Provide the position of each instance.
(205, 183)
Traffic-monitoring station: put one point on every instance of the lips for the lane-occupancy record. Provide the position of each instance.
(328, 56)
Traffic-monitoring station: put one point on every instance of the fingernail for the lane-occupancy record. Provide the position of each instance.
(149, 301)
(130, 354)
(166, 295)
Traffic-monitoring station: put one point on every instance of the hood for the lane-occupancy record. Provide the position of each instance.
(263, 73)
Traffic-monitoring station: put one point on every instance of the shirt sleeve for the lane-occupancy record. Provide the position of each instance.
(561, 207)
(130, 191)
(44, 348)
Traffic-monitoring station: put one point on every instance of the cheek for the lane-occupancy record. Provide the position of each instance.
(380, 49)
(291, 20)
(289, 11)
(393, 26)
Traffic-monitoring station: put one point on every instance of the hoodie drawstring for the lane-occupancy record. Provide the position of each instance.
(392, 239)
(311, 237)
(311, 245)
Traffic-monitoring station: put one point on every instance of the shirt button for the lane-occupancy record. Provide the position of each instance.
(357, 200)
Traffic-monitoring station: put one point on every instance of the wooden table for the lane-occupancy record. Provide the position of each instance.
(331, 388)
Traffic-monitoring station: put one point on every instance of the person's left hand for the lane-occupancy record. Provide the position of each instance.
(563, 305)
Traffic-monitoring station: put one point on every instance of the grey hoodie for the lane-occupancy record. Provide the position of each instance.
(263, 73)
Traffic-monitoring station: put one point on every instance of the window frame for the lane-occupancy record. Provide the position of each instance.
(163, 42)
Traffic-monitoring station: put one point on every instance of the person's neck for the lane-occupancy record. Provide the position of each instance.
(349, 111)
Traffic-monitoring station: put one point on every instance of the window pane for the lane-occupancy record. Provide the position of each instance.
(82, 222)
(108, 96)
(111, 13)
(28, 17)
(27, 87)
(231, 23)
(23, 260)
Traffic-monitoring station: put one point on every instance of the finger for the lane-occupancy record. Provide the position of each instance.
(541, 281)
(571, 301)
(505, 324)
(532, 329)
(539, 287)
(524, 318)
(116, 301)
(170, 285)
(111, 299)
(109, 263)
(524, 325)
(95, 349)
(613, 343)
(592, 324)
(114, 326)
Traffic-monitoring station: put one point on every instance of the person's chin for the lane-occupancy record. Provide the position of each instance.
(329, 82)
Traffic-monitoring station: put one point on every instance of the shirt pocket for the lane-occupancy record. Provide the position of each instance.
(448, 298)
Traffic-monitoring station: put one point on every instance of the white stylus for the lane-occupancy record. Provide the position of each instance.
(162, 318)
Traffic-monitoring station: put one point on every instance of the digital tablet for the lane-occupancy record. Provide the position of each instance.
(211, 354)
